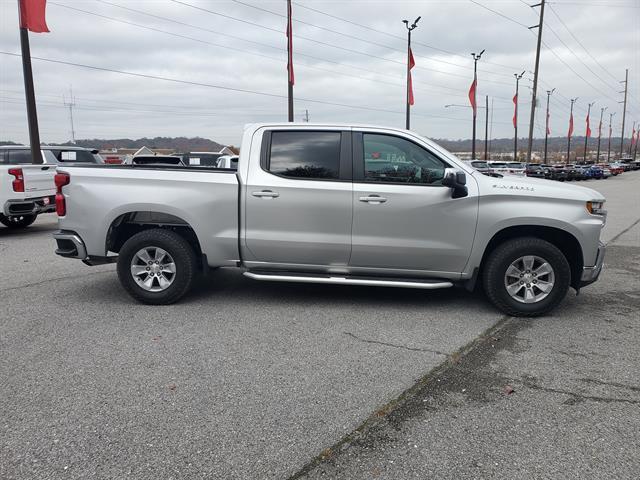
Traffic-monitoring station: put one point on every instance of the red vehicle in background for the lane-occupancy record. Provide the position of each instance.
(615, 169)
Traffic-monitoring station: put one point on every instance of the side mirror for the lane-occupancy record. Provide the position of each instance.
(456, 181)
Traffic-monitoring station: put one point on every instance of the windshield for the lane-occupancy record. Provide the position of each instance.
(515, 165)
(499, 165)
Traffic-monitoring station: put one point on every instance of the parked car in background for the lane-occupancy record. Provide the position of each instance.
(507, 168)
(71, 154)
(26, 190)
(615, 168)
(606, 173)
(594, 171)
(536, 170)
(201, 159)
(580, 172)
(228, 161)
(559, 172)
(480, 165)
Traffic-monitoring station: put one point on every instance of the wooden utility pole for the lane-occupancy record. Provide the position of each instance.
(624, 109)
(535, 78)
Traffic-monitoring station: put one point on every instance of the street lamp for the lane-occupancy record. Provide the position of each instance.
(600, 132)
(573, 100)
(609, 146)
(409, 29)
(515, 118)
(474, 87)
(546, 130)
(586, 133)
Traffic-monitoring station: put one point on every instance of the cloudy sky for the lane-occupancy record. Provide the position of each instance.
(349, 64)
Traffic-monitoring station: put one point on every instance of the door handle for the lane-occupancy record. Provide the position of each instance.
(373, 199)
(266, 193)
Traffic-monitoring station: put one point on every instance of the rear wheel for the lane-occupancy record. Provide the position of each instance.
(526, 277)
(18, 221)
(157, 266)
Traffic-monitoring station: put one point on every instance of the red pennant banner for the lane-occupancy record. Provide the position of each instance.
(412, 63)
(570, 125)
(32, 15)
(588, 133)
(472, 94)
(515, 111)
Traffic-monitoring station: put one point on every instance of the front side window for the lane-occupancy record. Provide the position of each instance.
(389, 159)
(311, 155)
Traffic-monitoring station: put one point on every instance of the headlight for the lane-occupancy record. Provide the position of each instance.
(596, 208)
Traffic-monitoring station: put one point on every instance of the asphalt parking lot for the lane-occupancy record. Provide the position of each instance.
(254, 380)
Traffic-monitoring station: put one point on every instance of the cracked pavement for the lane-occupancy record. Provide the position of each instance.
(257, 380)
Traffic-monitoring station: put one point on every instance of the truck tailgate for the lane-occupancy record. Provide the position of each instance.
(38, 180)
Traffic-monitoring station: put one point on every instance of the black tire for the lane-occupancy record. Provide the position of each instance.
(18, 221)
(177, 247)
(495, 268)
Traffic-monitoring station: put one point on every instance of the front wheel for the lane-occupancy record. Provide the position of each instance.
(157, 266)
(526, 277)
(17, 221)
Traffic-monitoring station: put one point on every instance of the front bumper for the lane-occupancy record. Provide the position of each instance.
(31, 206)
(591, 274)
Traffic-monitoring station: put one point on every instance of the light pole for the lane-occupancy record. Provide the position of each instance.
(409, 58)
(486, 127)
(609, 146)
(587, 131)
(515, 117)
(573, 100)
(600, 132)
(474, 86)
(546, 129)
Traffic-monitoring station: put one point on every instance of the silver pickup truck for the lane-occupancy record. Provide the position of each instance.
(339, 204)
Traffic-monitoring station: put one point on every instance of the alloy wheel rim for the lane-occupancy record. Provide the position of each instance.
(529, 279)
(153, 269)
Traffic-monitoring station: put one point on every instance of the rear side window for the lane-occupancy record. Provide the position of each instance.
(312, 155)
(19, 157)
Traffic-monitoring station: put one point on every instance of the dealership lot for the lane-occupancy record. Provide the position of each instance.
(251, 380)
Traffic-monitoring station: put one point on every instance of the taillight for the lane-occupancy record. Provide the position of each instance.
(18, 181)
(61, 179)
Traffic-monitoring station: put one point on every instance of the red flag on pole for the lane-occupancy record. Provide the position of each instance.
(570, 125)
(290, 45)
(472, 94)
(588, 133)
(515, 111)
(32, 15)
(412, 63)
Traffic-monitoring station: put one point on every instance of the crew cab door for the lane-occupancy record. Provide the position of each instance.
(403, 217)
(298, 200)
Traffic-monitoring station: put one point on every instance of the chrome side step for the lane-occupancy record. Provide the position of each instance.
(275, 277)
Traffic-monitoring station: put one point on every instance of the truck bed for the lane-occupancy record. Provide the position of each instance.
(101, 197)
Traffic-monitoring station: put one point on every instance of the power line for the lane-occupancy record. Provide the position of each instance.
(360, 38)
(382, 32)
(506, 17)
(186, 37)
(398, 62)
(219, 87)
